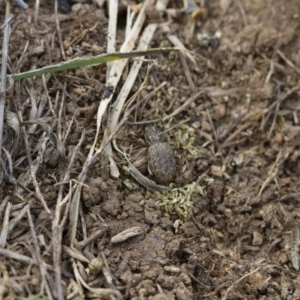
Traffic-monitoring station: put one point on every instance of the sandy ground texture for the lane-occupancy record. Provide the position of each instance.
(227, 228)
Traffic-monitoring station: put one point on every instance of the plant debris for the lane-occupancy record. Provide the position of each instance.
(75, 225)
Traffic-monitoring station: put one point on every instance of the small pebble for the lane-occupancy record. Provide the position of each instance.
(257, 239)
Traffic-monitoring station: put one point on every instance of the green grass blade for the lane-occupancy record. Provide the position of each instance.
(88, 61)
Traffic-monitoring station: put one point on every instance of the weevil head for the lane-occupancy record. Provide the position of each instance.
(154, 135)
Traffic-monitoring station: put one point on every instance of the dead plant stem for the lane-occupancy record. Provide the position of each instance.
(239, 280)
(32, 171)
(6, 36)
(44, 283)
(58, 224)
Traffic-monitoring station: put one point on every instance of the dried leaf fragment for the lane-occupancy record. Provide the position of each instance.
(126, 234)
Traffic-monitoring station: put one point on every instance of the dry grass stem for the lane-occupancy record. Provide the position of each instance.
(108, 275)
(294, 246)
(116, 71)
(41, 264)
(275, 114)
(100, 292)
(93, 237)
(131, 14)
(106, 98)
(36, 10)
(212, 128)
(118, 105)
(275, 103)
(187, 71)
(4, 231)
(112, 30)
(145, 100)
(58, 31)
(4, 59)
(58, 222)
(13, 222)
(288, 62)
(177, 43)
(242, 10)
(3, 205)
(271, 174)
(239, 280)
(20, 257)
(74, 209)
(186, 104)
(74, 253)
(32, 168)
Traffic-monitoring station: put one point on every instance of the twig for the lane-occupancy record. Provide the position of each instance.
(70, 126)
(271, 71)
(122, 266)
(92, 238)
(17, 256)
(20, 257)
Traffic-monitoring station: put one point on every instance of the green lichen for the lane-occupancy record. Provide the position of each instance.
(178, 201)
(184, 138)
